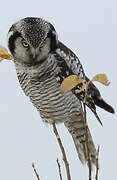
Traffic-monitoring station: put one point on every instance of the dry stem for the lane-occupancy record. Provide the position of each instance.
(87, 139)
(59, 167)
(63, 152)
(35, 171)
(87, 144)
(97, 163)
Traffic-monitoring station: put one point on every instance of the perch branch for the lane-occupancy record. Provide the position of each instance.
(87, 144)
(35, 171)
(97, 163)
(63, 152)
(87, 139)
(59, 167)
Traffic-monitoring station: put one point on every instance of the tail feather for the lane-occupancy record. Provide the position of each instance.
(82, 150)
(78, 131)
(101, 103)
(98, 100)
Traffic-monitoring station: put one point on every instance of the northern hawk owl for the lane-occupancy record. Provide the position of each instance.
(42, 62)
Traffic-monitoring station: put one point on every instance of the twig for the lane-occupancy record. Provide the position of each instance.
(87, 144)
(59, 167)
(63, 152)
(35, 171)
(87, 139)
(97, 163)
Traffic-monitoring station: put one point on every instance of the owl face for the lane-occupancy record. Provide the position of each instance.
(31, 40)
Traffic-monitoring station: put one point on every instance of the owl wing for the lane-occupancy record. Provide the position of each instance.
(71, 60)
(69, 64)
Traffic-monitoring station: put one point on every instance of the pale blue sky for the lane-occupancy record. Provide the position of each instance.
(89, 28)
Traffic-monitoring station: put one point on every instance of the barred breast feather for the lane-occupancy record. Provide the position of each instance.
(44, 92)
(41, 86)
(53, 105)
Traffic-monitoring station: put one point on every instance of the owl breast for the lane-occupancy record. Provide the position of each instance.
(46, 95)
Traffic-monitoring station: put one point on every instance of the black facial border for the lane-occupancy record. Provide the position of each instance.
(11, 41)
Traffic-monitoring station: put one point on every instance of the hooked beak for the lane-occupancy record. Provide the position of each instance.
(34, 53)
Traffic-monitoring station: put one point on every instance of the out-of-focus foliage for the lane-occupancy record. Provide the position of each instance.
(4, 53)
(73, 80)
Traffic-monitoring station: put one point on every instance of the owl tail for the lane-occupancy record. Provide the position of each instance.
(97, 98)
(78, 131)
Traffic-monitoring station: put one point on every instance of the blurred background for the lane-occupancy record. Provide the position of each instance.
(89, 28)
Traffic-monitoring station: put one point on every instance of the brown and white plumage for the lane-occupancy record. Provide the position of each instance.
(42, 62)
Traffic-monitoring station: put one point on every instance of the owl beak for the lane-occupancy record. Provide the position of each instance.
(34, 55)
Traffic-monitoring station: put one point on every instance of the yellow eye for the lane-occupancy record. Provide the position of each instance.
(25, 44)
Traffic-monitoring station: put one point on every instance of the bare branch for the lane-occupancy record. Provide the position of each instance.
(59, 167)
(35, 171)
(87, 139)
(97, 163)
(87, 143)
(63, 152)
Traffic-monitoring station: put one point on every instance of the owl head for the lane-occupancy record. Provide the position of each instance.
(31, 40)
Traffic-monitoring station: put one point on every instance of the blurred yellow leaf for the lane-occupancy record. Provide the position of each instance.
(70, 82)
(73, 80)
(4, 53)
(102, 78)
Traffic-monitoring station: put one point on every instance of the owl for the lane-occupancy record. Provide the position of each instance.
(42, 62)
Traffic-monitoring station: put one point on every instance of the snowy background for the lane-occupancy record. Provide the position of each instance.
(89, 28)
